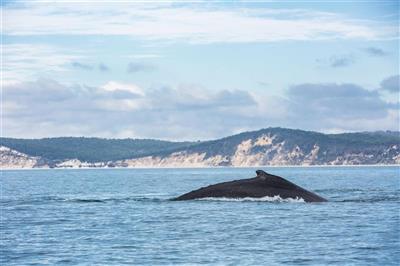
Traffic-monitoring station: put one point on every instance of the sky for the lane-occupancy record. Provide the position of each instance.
(197, 70)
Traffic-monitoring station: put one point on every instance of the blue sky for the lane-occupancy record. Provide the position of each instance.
(198, 70)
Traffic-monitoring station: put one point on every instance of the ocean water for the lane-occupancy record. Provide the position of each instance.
(123, 216)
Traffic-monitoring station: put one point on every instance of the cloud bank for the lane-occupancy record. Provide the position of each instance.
(188, 22)
(115, 109)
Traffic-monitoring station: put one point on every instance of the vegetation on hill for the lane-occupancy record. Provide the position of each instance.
(91, 149)
(332, 143)
(97, 149)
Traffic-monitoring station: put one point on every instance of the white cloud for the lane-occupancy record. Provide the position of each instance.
(46, 108)
(115, 86)
(336, 107)
(192, 23)
(143, 56)
(28, 61)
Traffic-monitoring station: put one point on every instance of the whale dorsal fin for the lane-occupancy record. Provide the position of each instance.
(273, 179)
(261, 174)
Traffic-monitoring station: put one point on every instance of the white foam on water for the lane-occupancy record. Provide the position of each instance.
(275, 198)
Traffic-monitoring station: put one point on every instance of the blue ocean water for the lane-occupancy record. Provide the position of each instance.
(123, 216)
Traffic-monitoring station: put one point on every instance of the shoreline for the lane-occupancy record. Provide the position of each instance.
(205, 167)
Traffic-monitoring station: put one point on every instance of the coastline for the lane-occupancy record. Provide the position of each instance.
(206, 167)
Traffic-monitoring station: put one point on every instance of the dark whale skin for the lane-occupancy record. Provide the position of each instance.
(261, 186)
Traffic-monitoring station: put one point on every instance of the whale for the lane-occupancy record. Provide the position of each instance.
(263, 185)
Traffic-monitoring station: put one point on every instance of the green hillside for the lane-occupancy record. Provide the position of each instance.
(97, 149)
(91, 149)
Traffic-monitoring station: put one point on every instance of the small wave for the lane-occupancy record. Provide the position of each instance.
(86, 200)
(31, 201)
(338, 190)
(373, 199)
(106, 200)
(276, 198)
(82, 200)
(348, 190)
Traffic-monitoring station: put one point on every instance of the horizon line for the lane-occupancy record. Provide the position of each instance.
(198, 140)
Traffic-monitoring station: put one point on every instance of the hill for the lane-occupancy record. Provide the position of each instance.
(90, 149)
(270, 146)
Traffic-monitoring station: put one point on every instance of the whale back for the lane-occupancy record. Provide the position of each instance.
(262, 185)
